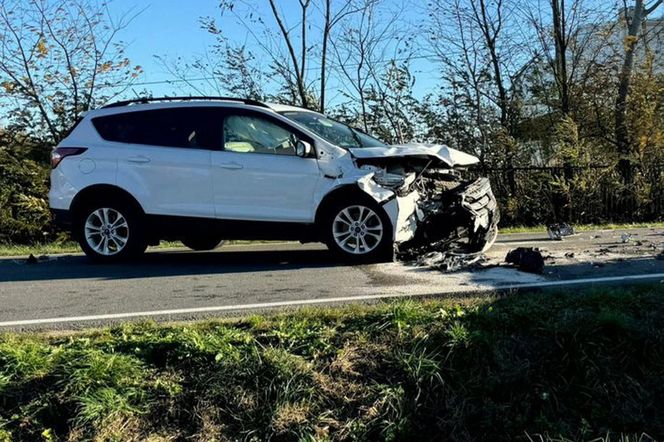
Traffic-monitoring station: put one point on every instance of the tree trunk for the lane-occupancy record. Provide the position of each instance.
(299, 78)
(560, 40)
(323, 60)
(623, 142)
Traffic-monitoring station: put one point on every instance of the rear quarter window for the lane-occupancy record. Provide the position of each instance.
(181, 127)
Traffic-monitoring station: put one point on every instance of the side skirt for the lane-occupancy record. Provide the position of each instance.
(176, 227)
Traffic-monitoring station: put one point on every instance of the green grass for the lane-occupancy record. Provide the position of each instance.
(66, 247)
(534, 366)
(39, 249)
(584, 227)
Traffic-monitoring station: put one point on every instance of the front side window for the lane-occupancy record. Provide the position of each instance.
(182, 127)
(333, 131)
(252, 134)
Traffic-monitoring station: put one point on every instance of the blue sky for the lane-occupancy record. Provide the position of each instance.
(171, 28)
(164, 27)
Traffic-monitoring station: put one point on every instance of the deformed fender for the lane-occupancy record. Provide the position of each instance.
(403, 214)
(402, 211)
(369, 186)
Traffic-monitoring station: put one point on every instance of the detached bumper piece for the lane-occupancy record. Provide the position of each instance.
(456, 225)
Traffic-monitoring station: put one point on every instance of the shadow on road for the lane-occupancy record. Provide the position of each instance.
(227, 261)
(171, 263)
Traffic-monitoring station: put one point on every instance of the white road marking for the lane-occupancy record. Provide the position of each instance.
(304, 302)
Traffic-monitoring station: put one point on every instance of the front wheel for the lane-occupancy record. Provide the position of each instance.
(359, 232)
(110, 232)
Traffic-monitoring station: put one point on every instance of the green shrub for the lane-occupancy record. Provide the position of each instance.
(24, 211)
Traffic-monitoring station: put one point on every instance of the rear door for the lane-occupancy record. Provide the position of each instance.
(164, 157)
(257, 175)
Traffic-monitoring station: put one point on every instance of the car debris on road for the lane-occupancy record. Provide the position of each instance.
(559, 230)
(527, 259)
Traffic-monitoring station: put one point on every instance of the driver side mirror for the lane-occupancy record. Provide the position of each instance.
(303, 149)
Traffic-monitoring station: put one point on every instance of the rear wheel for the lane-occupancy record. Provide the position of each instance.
(110, 232)
(359, 232)
(202, 243)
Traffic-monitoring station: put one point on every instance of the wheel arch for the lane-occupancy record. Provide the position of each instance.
(341, 193)
(103, 192)
(346, 192)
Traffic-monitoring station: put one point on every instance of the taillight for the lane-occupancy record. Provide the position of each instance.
(61, 153)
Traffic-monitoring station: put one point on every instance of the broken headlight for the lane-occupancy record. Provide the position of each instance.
(384, 178)
(389, 180)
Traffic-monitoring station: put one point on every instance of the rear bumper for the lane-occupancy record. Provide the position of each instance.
(61, 218)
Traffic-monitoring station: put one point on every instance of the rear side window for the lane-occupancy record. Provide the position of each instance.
(182, 127)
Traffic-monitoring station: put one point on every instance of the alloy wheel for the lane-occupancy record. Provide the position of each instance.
(357, 230)
(106, 231)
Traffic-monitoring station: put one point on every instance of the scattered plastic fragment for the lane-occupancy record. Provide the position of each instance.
(558, 230)
(448, 262)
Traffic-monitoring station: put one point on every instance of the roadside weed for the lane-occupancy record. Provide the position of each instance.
(569, 365)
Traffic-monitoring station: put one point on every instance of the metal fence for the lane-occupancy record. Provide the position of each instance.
(541, 195)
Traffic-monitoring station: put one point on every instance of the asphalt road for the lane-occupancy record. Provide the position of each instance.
(69, 292)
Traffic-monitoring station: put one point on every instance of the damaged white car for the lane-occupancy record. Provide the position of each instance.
(208, 169)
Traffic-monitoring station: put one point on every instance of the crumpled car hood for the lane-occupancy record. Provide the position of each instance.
(451, 157)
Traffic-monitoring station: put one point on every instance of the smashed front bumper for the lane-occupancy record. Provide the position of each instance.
(457, 221)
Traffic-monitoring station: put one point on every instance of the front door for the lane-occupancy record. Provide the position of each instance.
(257, 175)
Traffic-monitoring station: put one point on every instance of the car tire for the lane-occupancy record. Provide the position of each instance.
(110, 232)
(202, 243)
(358, 231)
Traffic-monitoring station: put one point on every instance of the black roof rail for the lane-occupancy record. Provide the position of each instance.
(146, 100)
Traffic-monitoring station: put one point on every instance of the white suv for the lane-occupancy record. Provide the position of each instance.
(201, 170)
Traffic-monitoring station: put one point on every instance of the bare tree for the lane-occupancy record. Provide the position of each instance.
(59, 58)
(561, 38)
(365, 50)
(278, 47)
(634, 18)
(479, 48)
(476, 41)
(331, 19)
(490, 24)
(298, 64)
(570, 41)
(393, 95)
(458, 47)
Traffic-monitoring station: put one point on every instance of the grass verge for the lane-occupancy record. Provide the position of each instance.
(560, 365)
(584, 227)
(39, 249)
(58, 248)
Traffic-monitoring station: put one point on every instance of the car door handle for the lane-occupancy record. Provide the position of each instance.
(138, 159)
(233, 166)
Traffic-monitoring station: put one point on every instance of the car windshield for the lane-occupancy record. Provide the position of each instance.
(335, 132)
